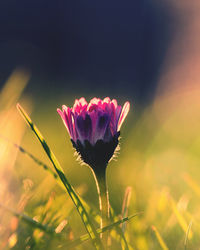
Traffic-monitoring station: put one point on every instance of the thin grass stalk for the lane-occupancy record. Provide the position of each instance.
(85, 237)
(187, 235)
(125, 205)
(159, 238)
(29, 220)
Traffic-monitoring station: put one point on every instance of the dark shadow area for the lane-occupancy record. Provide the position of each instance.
(110, 47)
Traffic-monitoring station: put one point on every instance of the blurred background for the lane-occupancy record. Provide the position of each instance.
(113, 48)
(146, 52)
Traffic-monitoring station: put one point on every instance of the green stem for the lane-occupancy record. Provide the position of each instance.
(100, 178)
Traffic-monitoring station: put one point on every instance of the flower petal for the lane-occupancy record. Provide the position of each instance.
(123, 115)
(106, 100)
(83, 127)
(68, 121)
(83, 102)
(65, 120)
(101, 126)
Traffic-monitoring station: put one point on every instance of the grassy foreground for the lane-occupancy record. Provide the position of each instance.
(156, 177)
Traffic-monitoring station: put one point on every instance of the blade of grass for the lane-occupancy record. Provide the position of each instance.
(123, 241)
(159, 238)
(180, 218)
(13, 88)
(85, 237)
(187, 235)
(126, 201)
(35, 159)
(77, 202)
(29, 220)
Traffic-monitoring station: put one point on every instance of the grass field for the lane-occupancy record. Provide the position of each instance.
(156, 174)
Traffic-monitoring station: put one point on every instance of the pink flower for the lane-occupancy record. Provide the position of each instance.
(94, 127)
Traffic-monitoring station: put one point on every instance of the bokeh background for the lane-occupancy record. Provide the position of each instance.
(147, 52)
(113, 48)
